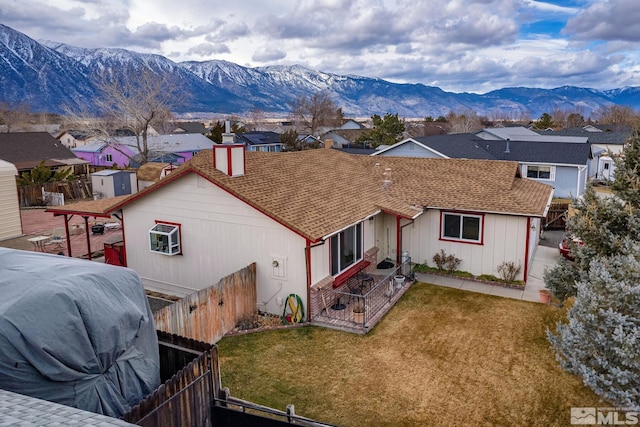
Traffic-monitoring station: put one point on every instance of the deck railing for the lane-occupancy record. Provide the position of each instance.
(372, 298)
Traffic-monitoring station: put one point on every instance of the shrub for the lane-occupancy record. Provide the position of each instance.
(508, 270)
(446, 262)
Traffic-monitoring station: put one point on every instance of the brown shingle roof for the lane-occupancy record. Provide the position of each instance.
(91, 207)
(150, 171)
(317, 192)
(27, 149)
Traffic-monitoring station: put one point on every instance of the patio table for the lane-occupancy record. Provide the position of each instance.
(39, 242)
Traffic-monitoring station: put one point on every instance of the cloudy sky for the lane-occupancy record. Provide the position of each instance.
(458, 45)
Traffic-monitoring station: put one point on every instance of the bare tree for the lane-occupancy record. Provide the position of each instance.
(257, 118)
(464, 122)
(133, 104)
(316, 111)
(15, 118)
(617, 115)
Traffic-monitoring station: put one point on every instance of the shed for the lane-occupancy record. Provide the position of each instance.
(112, 183)
(151, 172)
(75, 332)
(10, 223)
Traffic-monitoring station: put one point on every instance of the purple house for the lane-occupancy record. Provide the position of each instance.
(102, 154)
(123, 151)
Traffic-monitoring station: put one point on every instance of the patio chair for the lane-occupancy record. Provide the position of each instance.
(58, 238)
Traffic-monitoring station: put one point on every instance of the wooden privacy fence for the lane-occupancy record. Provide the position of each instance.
(208, 314)
(556, 218)
(31, 195)
(187, 398)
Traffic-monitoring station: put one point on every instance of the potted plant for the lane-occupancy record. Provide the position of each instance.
(545, 296)
(358, 311)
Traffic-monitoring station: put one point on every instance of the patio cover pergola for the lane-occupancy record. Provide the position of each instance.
(102, 208)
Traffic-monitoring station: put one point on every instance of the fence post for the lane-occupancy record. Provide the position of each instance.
(291, 411)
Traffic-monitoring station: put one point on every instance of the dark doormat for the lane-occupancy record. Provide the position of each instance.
(384, 265)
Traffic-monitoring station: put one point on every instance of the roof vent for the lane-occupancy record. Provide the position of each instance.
(228, 137)
(386, 178)
(507, 150)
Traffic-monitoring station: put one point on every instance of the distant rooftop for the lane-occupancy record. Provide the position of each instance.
(20, 410)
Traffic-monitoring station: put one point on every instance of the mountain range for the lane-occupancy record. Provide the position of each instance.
(50, 77)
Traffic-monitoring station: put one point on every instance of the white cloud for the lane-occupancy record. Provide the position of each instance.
(464, 45)
(607, 20)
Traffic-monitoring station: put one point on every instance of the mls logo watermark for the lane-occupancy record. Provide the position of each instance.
(603, 416)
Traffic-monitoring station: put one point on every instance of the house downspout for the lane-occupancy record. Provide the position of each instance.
(398, 240)
(399, 249)
(526, 250)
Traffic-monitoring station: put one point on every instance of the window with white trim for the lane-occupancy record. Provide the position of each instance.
(463, 227)
(547, 173)
(346, 249)
(109, 157)
(165, 239)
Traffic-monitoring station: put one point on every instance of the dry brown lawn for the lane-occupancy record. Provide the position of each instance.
(440, 357)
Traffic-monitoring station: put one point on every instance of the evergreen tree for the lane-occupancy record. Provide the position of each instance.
(386, 130)
(600, 341)
(41, 174)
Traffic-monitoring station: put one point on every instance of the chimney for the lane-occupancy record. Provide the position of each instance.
(229, 159)
(328, 143)
(228, 137)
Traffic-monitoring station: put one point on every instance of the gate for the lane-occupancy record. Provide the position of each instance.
(556, 218)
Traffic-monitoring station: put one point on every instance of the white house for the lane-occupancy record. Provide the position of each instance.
(309, 218)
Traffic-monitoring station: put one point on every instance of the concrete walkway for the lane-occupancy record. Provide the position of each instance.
(544, 257)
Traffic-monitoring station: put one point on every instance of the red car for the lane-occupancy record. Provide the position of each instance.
(565, 247)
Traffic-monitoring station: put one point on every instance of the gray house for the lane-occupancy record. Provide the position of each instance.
(560, 161)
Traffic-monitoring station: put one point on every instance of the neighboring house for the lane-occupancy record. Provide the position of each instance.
(122, 151)
(189, 127)
(10, 222)
(101, 154)
(26, 150)
(561, 161)
(283, 127)
(309, 141)
(260, 141)
(607, 142)
(343, 137)
(72, 139)
(113, 183)
(351, 124)
(308, 218)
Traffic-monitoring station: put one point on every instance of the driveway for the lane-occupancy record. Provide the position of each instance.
(545, 257)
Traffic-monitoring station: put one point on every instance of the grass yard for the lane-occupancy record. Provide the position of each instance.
(441, 357)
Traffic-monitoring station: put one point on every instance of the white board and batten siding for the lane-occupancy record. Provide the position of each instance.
(505, 239)
(320, 252)
(220, 234)
(10, 223)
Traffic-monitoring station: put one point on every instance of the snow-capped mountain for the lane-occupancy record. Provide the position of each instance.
(50, 76)
(39, 77)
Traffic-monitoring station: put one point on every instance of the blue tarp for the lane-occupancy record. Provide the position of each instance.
(75, 332)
